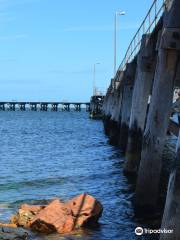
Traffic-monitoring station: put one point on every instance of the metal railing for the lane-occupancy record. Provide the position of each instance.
(147, 26)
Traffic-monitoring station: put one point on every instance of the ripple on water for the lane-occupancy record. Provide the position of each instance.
(47, 155)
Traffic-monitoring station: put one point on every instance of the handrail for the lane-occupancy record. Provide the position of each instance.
(149, 23)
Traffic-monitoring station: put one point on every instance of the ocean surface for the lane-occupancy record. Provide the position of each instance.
(45, 155)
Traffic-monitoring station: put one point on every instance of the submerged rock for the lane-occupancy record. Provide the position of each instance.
(8, 233)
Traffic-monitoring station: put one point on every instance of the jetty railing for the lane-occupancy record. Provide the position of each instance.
(148, 25)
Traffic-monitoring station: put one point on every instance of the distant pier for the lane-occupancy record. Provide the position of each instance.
(44, 106)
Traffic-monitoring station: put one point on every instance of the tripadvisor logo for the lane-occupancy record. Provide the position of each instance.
(139, 231)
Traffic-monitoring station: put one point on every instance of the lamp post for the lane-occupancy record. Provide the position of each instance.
(118, 13)
(94, 78)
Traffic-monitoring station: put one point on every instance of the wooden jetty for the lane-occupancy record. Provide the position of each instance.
(138, 105)
(44, 106)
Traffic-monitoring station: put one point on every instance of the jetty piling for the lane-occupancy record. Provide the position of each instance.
(127, 92)
(142, 90)
(147, 188)
(137, 108)
(33, 106)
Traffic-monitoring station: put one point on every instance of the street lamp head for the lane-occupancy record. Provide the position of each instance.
(120, 13)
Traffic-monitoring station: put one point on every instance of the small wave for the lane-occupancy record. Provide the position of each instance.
(32, 183)
(17, 203)
(5, 206)
(45, 182)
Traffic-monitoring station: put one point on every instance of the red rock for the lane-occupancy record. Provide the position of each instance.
(25, 214)
(83, 210)
(56, 217)
(86, 210)
(14, 220)
(34, 209)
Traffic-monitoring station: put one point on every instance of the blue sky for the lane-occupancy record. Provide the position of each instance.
(48, 47)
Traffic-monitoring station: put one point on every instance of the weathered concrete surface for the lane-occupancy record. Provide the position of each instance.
(107, 111)
(143, 83)
(127, 92)
(112, 108)
(117, 106)
(155, 133)
(114, 119)
(147, 188)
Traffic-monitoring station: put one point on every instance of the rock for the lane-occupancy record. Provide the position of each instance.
(24, 218)
(56, 217)
(7, 233)
(25, 214)
(14, 220)
(86, 210)
(83, 210)
(8, 225)
(34, 209)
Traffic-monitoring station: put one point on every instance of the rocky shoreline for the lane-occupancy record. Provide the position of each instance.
(56, 217)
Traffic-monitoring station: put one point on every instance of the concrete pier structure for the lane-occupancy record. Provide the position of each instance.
(147, 189)
(136, 112)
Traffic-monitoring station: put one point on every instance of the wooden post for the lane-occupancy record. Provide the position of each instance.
(127, 91)
(147, 189)
(142, 89)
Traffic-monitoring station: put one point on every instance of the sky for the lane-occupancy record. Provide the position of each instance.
(48, 47)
